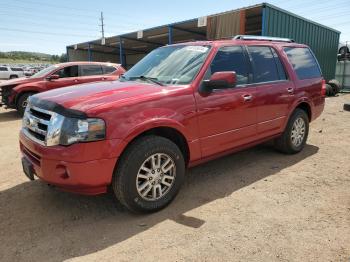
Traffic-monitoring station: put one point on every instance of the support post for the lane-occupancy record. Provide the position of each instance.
(263, 24)
(170, 35)
(89, 52)
(67, 54)
(121, 52)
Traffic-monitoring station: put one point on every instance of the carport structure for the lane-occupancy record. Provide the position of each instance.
(129, 48)
(262, 19)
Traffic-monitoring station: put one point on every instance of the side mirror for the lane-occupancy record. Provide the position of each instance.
(52, 77)
(220, 80)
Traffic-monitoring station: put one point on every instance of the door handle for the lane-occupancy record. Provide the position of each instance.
(103, 78)
(290, 90)
(76, 80)
(247, 98)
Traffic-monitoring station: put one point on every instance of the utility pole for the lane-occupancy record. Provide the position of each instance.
(102, 28)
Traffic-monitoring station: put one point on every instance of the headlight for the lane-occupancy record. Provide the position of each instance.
(82, 130)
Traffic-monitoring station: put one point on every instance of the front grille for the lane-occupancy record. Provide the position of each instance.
(36, 122)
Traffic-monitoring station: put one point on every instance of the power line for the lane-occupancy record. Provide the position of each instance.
(70, 8)
(44, 33)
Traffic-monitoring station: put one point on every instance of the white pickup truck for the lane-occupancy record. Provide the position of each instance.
(7, 72)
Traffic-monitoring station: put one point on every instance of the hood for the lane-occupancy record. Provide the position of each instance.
(18, 81)
(87, 96)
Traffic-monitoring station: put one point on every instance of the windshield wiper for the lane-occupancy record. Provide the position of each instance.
(151, 79)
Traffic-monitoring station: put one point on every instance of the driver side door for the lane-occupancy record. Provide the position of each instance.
(67, 76)
(227, 118)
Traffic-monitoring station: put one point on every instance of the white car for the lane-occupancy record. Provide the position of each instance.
(7, 72)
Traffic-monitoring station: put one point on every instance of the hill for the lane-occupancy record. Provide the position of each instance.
(30, 57)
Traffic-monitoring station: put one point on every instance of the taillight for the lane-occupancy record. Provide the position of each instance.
(323, 90)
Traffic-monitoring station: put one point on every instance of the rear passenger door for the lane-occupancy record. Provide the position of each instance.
(274, 90)
(90, 73)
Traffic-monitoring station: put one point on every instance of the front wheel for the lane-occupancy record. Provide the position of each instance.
(22, 102)
(149, 174)
(294, 137)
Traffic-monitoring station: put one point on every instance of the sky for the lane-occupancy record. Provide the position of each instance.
(49, 26)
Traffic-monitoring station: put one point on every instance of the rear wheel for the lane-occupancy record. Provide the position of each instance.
(295, 135)
(22, 103)
(13, 76)
(149, 174)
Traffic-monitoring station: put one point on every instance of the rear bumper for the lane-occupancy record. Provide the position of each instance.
(80, 168)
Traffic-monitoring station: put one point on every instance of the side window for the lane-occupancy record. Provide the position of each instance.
(2, 68)
(280, 68)
(90, 70)
(264, 65)
(69, 71)
(303, 62)
(231, 58)
(108, 69)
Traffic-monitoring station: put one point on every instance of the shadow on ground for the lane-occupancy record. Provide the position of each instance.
(8, 116)
(45, 224)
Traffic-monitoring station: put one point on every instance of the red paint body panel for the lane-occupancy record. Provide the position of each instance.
(41, 84)
(213, 124)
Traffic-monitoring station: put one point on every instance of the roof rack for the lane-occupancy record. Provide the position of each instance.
(263, 38)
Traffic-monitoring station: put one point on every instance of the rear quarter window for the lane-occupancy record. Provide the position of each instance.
(108, 69)
(303, 62)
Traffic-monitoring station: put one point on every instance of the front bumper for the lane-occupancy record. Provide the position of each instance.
(85, 168)
(7, 97)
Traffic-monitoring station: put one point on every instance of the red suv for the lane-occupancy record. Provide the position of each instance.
(181, 105)
(16, 92)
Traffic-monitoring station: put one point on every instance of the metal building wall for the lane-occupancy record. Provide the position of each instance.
(83, 55)
(322, 40)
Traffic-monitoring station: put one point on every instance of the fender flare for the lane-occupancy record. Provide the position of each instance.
(295, 105)
(147, 126)
(20, 90)
(154, 123)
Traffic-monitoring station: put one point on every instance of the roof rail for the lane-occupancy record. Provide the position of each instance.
(263, 38)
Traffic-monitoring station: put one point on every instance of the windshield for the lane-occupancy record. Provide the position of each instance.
(44, 71)
(177, 65)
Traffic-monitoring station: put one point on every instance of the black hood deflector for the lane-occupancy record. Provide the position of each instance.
(57, 108)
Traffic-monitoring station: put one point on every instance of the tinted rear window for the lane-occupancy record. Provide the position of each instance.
(303, 61)
(90, 70)
(108, 69)
(3, 68)
(264, 64)
(16, 69)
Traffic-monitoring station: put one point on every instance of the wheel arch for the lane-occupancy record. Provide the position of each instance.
(170, 132)
(18, 95)
(306, 107)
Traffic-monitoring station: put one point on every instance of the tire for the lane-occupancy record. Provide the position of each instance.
(22, 103)
(127, 184)
(335, 85)
(329, 90)
(284, 143)
(343, 50)
(347, 106)
(13, 76)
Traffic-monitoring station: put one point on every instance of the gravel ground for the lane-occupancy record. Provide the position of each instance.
(256, 205)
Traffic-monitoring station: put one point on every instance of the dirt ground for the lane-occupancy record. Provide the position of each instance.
(256, 205)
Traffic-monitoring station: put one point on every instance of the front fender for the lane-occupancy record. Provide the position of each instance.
(154, 123)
